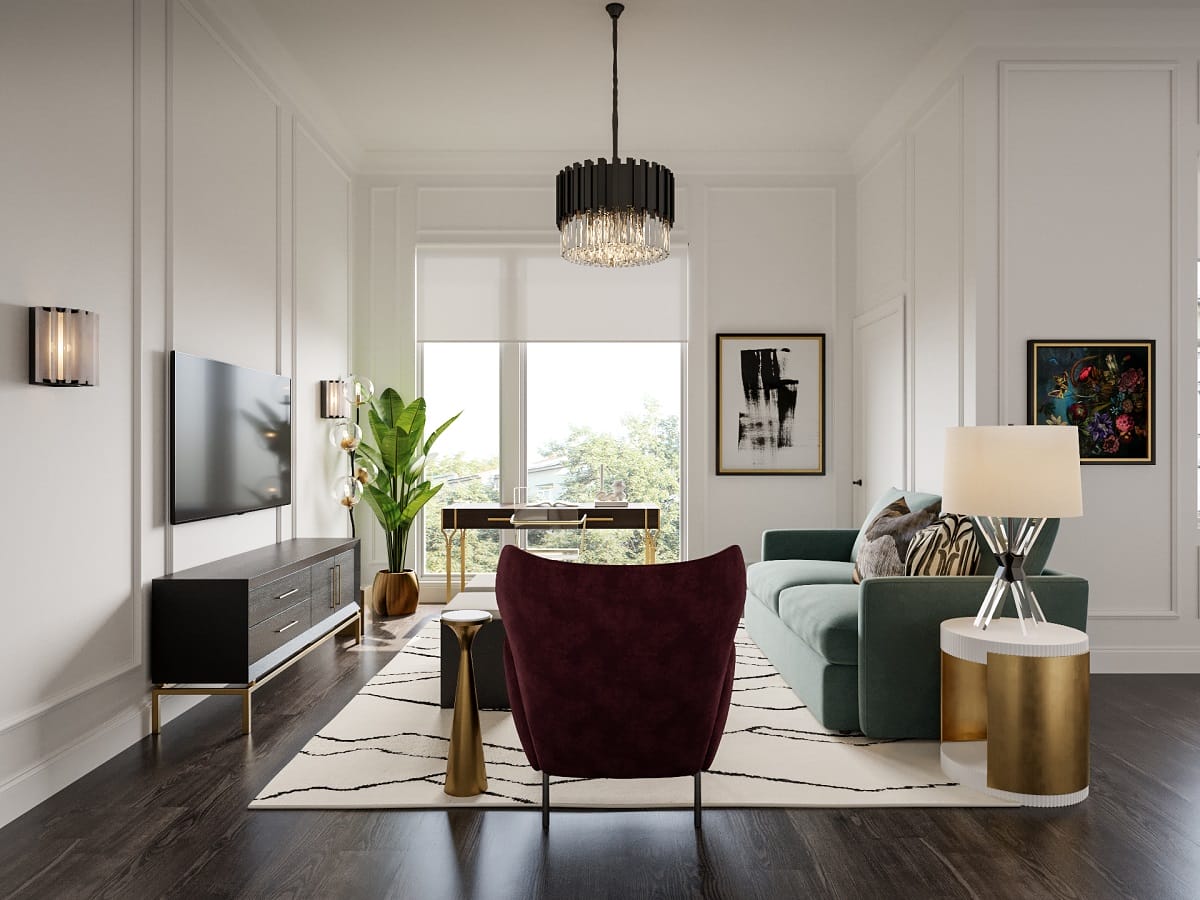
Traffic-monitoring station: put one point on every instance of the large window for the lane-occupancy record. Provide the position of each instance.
(561, 372)
(582, 409)
(614, 406)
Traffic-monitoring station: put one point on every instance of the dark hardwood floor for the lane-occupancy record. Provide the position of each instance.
(168, 818)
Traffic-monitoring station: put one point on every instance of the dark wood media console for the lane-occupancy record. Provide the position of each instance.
(237, 622)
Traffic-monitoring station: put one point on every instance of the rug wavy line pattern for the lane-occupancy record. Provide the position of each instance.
(386, 749)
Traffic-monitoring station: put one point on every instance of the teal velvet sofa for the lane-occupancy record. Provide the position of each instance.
(867, 657)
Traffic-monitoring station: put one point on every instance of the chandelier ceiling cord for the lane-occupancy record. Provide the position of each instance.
(615, 213)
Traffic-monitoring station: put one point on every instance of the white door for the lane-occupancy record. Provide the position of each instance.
(879, 404)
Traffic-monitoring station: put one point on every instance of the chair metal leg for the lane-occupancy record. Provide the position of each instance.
(696, 802)
(545, 802)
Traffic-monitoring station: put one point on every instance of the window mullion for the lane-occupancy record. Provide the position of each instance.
(512, 424)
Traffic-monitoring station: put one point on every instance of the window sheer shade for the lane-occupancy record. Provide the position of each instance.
(532, 294)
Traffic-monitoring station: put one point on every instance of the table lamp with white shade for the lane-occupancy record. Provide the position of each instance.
(1011, 479)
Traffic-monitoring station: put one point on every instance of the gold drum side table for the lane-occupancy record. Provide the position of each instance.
(1015, 710)
(466, 775)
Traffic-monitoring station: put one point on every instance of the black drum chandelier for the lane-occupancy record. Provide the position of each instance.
(615, 213)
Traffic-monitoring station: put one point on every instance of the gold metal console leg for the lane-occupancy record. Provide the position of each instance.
(651, 541)
(462, 559)
(245, 711)
(155, 720)
(449, 536)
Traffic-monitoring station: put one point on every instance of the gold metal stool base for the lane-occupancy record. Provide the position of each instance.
(466, 774)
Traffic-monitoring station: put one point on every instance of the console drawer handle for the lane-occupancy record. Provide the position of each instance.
(287, 626)
(287, 594)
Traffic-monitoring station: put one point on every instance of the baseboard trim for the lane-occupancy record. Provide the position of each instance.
(1145, 660)
(45, 778)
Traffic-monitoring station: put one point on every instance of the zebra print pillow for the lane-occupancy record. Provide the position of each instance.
(947, 547)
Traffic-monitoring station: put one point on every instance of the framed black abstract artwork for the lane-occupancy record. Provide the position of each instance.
(770, 404)
(1104, 388)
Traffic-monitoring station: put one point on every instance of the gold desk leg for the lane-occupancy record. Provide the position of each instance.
(651, 540)
(155, 720)
(462, 560)
(449, 536)
(358, 629)
(245, 710)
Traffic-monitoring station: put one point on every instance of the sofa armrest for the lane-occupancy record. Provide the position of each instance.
(831, 543)
(899, 642)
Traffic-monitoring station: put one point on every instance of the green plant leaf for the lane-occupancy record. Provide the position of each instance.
(385, 508)
(390, 407)
(372, 454)
(422, 495)
(396, 448)
(438, 431)
(385, 439)
(412, 417)
(416, 468)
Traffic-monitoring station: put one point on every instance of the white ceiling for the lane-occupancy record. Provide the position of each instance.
(534, 75)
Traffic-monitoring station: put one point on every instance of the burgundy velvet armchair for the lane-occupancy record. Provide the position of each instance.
(620, 671)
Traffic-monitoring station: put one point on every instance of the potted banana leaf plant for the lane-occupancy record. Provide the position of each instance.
(398, 493)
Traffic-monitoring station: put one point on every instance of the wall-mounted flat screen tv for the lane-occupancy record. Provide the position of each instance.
(231, 439)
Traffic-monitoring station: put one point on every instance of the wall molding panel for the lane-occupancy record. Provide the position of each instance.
(1133, 93)
(99, 708)
(1009, 335)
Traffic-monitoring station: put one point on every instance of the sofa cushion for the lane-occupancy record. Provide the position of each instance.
(766, 579)
(914, 499)
(886, 540)
(947, 547)
(824, 616)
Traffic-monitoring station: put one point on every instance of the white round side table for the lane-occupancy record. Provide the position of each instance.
(1015, 710)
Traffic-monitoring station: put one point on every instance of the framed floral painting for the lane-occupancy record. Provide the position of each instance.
(1105, 388)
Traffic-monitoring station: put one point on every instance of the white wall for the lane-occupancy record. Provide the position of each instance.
(72, 655)
(910, 215)
(766, 252)
(1090, 247)
(321, 346)
(1075, 154)
(149, 177)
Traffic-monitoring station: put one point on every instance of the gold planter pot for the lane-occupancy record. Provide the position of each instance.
(395, 593)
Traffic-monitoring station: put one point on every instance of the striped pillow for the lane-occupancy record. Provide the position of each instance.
(947, 547)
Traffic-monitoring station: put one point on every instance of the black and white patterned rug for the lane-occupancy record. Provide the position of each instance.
(387, 750)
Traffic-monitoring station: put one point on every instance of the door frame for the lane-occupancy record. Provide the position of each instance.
(897, 305)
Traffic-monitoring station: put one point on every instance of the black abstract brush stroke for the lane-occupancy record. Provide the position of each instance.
(766, 424)
(837, 787)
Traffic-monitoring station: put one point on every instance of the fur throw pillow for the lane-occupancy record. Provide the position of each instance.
(886, 539)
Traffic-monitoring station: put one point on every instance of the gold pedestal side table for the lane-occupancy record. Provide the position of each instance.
(466, 775)
(1015, 710)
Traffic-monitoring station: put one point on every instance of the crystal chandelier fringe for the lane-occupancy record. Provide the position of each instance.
(615, 214)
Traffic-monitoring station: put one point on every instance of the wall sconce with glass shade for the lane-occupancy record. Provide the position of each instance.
(334, 404)
(64, 346)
